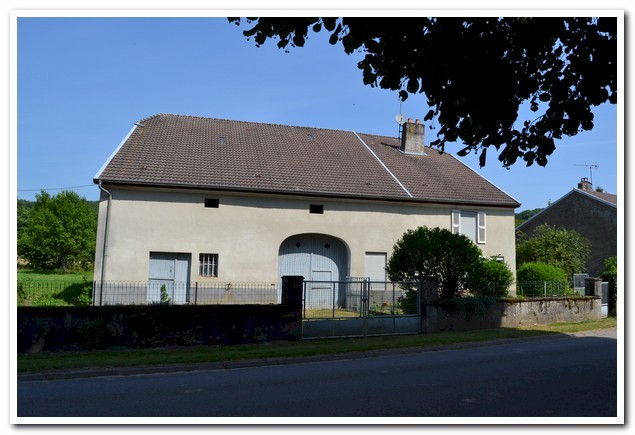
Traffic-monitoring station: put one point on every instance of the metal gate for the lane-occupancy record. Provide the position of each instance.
(366, 308)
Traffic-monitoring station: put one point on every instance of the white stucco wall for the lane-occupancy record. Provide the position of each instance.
(246, 231)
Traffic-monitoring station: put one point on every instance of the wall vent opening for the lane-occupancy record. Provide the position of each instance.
(211, 202)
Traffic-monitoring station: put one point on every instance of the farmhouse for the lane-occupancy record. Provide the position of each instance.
(591, 213)
(192, 202)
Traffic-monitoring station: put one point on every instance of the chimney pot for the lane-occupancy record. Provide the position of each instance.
(585, 184)
(412, 138)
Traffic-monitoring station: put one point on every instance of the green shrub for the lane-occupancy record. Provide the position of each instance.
(536, 271)
(490, 278)
(165, 299)
(541, 279)
(434, 254)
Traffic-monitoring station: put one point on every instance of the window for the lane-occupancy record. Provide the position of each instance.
(316, 209)
(208, 265)
(469, 223)
(211, 202)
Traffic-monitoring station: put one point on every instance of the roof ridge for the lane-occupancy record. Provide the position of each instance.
(273, 124)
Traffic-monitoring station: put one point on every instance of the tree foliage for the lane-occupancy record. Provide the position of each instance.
(565, 249)
(490, 278)
(437, 255)
(23, 213)
(477, 72)
(525, 215)
(59, 232)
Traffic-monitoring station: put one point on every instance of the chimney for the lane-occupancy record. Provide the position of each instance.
(585, 185)
(412, 138)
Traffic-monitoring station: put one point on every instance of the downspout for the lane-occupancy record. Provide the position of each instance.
(103, 252)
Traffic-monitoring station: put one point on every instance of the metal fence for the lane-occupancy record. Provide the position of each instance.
(358, 298)
(179, 293)
(542, 288)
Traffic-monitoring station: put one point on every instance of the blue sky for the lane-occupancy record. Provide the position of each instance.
(83, 82)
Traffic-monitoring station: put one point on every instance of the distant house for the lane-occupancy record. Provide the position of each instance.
(202, 200)
(591, 213)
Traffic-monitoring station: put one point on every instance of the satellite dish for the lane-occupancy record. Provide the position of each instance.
(400, 119)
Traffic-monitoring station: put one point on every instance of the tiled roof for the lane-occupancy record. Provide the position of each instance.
(187, 151)
(608, 197)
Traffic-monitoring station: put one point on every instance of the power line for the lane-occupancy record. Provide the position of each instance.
(55, 188)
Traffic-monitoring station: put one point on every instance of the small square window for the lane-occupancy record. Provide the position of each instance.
(211, 202)
(316, 209)
(208, 265)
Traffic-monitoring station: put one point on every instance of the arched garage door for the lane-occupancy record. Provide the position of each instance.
(317, 257)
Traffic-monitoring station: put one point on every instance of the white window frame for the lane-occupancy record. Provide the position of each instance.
(481, 225)
(208, 265)
(456, 221)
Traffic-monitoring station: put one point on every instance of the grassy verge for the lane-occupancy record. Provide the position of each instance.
(54, 288)
(207, 354)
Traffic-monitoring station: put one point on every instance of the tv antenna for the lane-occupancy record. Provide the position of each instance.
(590, 170)
(400, 120)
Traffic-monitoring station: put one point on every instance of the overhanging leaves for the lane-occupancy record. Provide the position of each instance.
(477, 72)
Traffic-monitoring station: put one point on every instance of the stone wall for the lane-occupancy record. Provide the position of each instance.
(512, 313)
(87, 328)
(108, 327)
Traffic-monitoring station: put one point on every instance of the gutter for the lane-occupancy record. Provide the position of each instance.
(103, 251)
(286, 192)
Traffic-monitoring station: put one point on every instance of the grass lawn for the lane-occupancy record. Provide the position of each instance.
(55, 276)
(48, 361)
(54, 288)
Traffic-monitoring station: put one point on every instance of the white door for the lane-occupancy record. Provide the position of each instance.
(375, 269)
(168, 277)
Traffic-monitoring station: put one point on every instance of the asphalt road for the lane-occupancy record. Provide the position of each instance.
(548, 377)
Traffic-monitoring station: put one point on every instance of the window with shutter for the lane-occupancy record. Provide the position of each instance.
(471, 224)
(456, 222)
(480, 218)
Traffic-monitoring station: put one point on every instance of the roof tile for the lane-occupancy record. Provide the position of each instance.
(187, 151)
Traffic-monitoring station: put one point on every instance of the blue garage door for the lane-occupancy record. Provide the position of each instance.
(317, 257)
